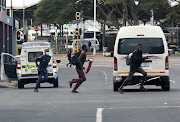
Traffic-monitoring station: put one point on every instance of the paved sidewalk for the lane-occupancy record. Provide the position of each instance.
(6, 84)
(99, 60)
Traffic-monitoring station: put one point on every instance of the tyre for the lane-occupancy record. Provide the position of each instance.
(165, 83)
(20, 84)
(116, 85)
(55, 83)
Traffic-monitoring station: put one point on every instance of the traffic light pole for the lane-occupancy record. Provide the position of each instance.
(94, 47)
(78, 38)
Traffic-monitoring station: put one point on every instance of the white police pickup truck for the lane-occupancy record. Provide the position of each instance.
(24, 68)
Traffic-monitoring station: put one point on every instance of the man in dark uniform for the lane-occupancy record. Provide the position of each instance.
(135, 66)
(42, 68)
(79, 70)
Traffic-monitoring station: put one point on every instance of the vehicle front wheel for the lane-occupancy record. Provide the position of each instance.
(20, 84)
(165, 83)
(56, 83)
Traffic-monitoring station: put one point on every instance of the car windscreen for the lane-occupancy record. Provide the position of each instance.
(150, 45)
(32, 56)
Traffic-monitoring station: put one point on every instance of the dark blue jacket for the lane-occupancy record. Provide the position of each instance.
(44, 60)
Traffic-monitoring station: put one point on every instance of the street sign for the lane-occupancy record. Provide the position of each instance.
(36, 29)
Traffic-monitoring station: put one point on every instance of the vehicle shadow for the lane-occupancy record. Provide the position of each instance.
(44, 87)
(150, 90)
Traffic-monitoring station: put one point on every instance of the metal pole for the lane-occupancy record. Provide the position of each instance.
(24, 16)
(67, 41)
(56, 38)
(36, 35)
(11, 10)
(77, 43)
(152, 18)
(78, 37)
(94, 47)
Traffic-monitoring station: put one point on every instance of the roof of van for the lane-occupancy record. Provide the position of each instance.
(35, 44)
(140, 32)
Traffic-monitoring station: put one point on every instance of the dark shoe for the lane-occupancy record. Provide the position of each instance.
(142, 89)
(74, 91)
(36, 90)
(70, 84)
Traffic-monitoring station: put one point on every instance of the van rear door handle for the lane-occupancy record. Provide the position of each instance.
(147, 61)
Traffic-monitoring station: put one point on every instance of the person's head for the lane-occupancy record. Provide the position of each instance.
(46, 51)
(139, 47)
(84, 47)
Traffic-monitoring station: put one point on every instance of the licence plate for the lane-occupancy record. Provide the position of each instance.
(145, 65)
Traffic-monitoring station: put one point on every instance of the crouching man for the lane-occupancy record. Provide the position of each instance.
(42, 68)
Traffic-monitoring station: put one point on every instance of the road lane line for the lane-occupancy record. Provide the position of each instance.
(173, 81)
(105, 76)
(149, 107)
(99, 115)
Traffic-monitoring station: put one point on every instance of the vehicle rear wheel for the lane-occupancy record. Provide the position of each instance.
(20, 84)
(165, 83)
(56, 83)
(116, 85)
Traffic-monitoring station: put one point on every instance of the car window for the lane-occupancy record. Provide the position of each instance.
(150, 45)
(32, 56)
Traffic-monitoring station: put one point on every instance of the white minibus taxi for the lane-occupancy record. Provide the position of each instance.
(154, 46)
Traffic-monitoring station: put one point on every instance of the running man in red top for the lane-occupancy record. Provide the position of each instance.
(79, 70)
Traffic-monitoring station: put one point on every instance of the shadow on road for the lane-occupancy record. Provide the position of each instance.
(150, 90)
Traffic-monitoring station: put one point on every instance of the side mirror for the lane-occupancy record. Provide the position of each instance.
(58, 61)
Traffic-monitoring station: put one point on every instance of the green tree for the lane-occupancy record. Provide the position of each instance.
(109, 12)
(55, 11)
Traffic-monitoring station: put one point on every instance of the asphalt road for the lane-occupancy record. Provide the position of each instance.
(96, 101)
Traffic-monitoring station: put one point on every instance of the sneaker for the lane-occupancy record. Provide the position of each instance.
(70, 84)
(74, 91)
(36, 90)
(142, 89)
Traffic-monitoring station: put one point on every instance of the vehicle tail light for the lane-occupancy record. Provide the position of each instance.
(54, 64)
(18, 66)
(167, 64)
(115, 64)
(140, 35)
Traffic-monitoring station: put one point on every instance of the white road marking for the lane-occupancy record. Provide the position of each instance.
(105, 76)
(165, 103)
(153, 107)
(173, 81)
(99, 115)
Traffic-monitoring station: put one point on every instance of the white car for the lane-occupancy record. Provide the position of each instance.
(23, 67)
(73, 43)
(154, 46)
